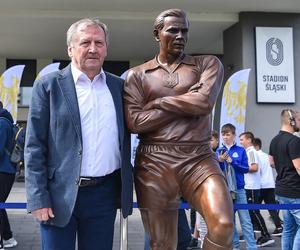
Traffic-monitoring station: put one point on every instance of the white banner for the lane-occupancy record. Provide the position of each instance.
(26, 92)
(10, 87)
(48, 69)
(234, 100)
(275, 65)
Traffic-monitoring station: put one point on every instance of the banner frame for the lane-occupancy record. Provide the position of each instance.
(293, 88)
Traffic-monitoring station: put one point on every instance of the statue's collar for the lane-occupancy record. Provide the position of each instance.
(154, 64)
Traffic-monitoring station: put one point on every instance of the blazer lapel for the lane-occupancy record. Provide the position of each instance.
(67, 86)
(114, 89)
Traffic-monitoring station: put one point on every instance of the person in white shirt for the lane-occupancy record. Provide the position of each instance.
(252, 187)
(267, 183)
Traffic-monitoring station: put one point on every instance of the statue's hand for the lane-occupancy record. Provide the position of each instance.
(196, 87)
(152, 104)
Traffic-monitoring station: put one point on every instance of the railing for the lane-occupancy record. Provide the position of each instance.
(20, 205)
(124, 222)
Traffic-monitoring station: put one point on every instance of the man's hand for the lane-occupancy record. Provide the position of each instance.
(271, 160)
(43, 214)
(225, 157)
(228, 158)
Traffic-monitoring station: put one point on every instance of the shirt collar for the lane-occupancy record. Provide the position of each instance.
(154, 64)
(229, 147)
(76, 73)
(250, 148)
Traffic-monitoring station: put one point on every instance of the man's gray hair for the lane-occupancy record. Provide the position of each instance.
(86, 21)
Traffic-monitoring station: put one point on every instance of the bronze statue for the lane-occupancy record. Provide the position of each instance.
(168, 103)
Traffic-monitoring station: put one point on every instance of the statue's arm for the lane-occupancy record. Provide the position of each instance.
(201, 97)
(138, 119)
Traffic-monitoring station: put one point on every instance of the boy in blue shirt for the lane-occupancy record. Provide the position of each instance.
(234, 159)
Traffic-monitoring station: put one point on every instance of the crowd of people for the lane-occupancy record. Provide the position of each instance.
(77, 152)
(250, 176)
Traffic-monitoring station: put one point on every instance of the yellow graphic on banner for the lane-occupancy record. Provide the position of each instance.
(9, 89)
(9, 96)
(235, 101)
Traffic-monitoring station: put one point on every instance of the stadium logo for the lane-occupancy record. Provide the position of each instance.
(274, 51)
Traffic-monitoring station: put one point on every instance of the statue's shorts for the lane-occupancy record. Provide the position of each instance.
(165, 172)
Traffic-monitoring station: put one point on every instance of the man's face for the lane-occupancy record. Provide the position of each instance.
(174, 35)
(88, 49)
(244, 141)
(228, 138)
(214, 142)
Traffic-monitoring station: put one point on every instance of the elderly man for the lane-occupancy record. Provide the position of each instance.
(168, 102)
(77, 147)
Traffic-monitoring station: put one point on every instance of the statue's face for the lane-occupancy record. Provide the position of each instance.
(174, 35)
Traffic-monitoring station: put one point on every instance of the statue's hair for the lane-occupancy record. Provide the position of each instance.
(159, 21)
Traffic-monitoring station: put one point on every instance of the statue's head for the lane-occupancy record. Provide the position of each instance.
(171, 31)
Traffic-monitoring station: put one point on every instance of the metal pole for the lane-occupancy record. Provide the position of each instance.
(123, 232)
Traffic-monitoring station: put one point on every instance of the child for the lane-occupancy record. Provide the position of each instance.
(232, 156)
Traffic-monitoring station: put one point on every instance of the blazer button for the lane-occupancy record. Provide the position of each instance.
(80, 152)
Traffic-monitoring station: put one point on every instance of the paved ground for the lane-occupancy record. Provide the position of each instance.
(26, 230)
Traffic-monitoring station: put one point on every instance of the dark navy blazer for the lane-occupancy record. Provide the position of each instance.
(53, 150)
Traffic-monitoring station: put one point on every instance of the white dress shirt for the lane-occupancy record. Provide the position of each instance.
(101, 151)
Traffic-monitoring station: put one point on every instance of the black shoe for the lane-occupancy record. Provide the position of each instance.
(20, 178)
(256, 229)
(1, 243)
(193, 244)
(241, 238)
(264, 241)
(277, 231)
